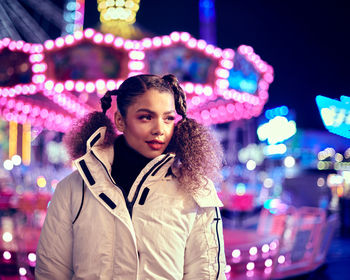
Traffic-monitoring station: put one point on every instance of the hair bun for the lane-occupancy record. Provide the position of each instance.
(171, 79)
(106, 100)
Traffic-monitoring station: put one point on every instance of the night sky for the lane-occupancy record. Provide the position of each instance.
(306, 42)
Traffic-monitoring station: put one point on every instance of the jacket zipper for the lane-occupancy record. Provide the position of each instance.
(130, 205)
(160, 164)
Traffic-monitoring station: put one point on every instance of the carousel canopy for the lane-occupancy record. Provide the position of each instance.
(51, 84)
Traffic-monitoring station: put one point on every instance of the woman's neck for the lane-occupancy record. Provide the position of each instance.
(127, 164)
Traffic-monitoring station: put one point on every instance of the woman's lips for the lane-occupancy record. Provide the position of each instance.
(155, 145)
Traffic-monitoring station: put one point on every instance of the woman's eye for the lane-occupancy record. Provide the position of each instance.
(170, 118)
(145, 117)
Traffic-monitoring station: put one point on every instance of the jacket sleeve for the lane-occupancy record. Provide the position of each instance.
(205, 254)
(54, 251)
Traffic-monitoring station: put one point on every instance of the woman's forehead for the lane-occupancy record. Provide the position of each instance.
(153, 98)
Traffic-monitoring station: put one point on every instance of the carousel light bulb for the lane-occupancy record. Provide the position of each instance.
(236, 253)
(7, 236)
(17, 160)
(250, 266)
(22, 271)
(8, 164)
(7, 255)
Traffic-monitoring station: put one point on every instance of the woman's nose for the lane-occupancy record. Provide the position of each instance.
(158, 128)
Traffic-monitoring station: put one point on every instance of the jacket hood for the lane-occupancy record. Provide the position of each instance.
(76, 140)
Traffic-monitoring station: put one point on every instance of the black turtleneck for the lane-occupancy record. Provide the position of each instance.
(127, 164)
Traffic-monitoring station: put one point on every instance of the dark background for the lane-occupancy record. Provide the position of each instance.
(306, 42)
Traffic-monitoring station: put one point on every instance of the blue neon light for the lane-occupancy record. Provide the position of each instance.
(243, 76)
(278, 111)
(335, 114)
(238, 81)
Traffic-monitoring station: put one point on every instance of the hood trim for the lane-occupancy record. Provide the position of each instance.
(97, 138)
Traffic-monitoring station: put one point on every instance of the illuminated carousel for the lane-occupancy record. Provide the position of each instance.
(46, 86)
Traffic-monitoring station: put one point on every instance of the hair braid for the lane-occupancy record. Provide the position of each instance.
(106, 100)
(179, 95)
(196, 148)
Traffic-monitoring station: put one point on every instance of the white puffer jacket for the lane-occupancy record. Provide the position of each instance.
(88, 232)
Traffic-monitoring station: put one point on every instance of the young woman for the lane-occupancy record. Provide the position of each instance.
(141, 205)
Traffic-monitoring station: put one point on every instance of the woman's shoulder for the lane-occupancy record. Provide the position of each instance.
(207, 196)
(70, 182)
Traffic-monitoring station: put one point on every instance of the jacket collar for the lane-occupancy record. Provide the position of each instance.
(105, 154)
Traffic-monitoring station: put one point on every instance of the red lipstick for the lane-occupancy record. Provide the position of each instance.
(155, 144)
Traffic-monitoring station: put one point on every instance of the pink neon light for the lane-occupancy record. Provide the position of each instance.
(18, 89)
(228, 64)
(146, 43)
(208, 90)
(281, 259)
(189, 87)
(136, 65)
(201, 44)
(100, 84)
(98, 38)
(222, 84)
(137, 55)
(79, 86)
(36, 58)
(88, 33)
(192, 43)
(218, 52)
(209, 49)
(69, 39)
(26, 47)
(222, 73)
(166, 40)
(184, 36)
(59, 42)
(49, 85)
(38, 79)
(228, 53)
(19, 45)
(90, 87)
(109, 38)
(198, 89)
(49, 44)
(69, 85)
(128, 45)
(27, 108)
(118, 42)
(175, 36)
(195, 100)
(12, 46)
(78, 35)
(11, 104)
(59, 87)
(6, 41)
(111, 85)
(157, 41)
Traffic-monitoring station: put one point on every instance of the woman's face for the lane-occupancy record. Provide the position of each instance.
(149, 123)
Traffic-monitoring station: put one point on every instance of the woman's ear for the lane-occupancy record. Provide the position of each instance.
(119, 121)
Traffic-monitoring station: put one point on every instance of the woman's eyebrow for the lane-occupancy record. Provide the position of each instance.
(145, 110)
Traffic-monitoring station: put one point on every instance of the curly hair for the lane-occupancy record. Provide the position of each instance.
(75, 140)
(198, 153)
